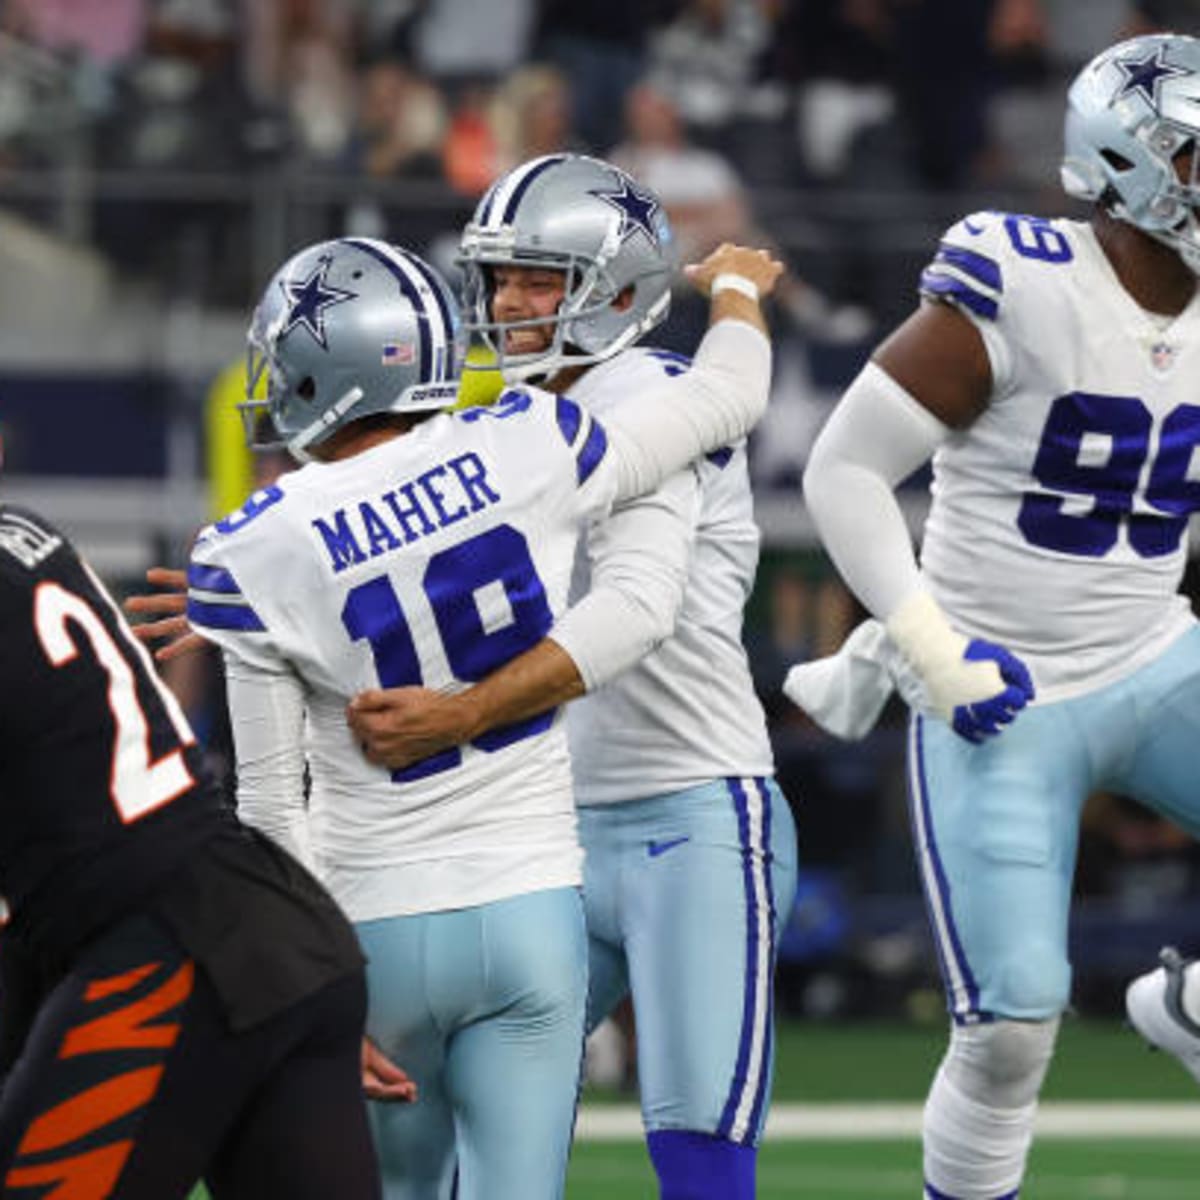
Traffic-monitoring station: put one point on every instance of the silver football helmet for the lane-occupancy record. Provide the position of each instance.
(1130, 112)
(587, 218)
(346, 329)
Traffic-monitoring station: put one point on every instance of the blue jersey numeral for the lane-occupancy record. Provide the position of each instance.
(508, 404)
(1120, 428)
(498, 557)
(1035, 237)
(258, 503)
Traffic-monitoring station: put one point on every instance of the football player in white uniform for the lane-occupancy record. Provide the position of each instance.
(690, 863)
(1050, 373)
(426, 547)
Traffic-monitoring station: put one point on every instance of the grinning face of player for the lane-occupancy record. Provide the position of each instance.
(524, 294)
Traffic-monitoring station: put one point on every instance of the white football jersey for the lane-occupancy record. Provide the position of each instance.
(688, 712)
(429, 559)
(1058, 526)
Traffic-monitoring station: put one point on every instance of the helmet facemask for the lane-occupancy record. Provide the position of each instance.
(1178, 201)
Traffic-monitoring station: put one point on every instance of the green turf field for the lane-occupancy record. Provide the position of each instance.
(890, 1065)
(847, 1170)
(1095, 1060)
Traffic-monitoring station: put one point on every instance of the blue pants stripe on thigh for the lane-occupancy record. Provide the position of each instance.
(743, 1107)
(956, 970)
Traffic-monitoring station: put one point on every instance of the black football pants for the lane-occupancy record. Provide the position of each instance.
(129, 1085)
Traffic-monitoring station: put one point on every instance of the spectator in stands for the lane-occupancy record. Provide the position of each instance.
(707, 59)
(601, 46)
(106, 32)
(531, 115)
(461, 42)
(707, 204)
(402, 121)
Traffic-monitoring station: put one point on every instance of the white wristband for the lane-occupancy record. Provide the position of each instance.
(728, 282)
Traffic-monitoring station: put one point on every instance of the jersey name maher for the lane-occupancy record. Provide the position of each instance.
(414, 509)
(1059, 518)
(430, 559)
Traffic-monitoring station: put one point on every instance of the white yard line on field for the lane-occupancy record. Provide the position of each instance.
(857, 1122)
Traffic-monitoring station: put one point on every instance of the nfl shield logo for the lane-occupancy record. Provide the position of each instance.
(1162, 356)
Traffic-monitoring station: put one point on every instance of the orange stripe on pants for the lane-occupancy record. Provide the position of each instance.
(98, 989)
(90, 1176)
(126, 1028)
(90, 1110)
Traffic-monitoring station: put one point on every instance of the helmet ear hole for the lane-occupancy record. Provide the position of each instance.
(307, 388)
(1118, 162)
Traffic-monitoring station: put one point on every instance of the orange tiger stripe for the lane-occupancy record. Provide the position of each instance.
(98, 989)
(90, 1110)
(90, 1176)
(127, 1027)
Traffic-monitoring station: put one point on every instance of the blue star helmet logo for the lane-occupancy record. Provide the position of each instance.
(309, 300)
(637, 209)
(1145, 75)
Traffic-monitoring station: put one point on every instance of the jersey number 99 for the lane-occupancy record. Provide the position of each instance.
(1117, 432)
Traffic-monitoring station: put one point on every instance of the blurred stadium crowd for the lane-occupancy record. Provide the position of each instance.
(158, 156)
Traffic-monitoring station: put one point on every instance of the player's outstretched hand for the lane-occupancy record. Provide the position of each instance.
(397, 727)
(382, 1079)
(755, 266)
(168, 610)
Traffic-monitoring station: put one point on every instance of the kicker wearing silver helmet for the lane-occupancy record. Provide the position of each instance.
(425, 547)
(1050, 373)
(690, 848)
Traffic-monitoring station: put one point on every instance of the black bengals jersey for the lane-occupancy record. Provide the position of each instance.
(105, 808)
(102, 791)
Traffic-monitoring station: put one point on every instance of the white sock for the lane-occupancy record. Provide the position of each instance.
(974, 1151)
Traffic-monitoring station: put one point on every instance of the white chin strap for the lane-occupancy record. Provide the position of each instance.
(298, 443)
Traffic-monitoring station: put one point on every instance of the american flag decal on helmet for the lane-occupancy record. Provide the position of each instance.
(399, 354)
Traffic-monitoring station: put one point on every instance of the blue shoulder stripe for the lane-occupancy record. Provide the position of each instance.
(945, 287)
(981, 268)
(673, 363)
(223, 616)
(212, 579)
(569, 419)
(594, 447)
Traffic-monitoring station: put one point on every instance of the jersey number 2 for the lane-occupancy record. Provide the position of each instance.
(496, 559)
(139, 785)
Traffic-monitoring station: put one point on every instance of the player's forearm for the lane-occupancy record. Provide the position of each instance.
(534, 682)
(717, 402)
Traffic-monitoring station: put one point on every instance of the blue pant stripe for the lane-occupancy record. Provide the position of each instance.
(962, 989)
(764, 1074)
(735, 1122)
